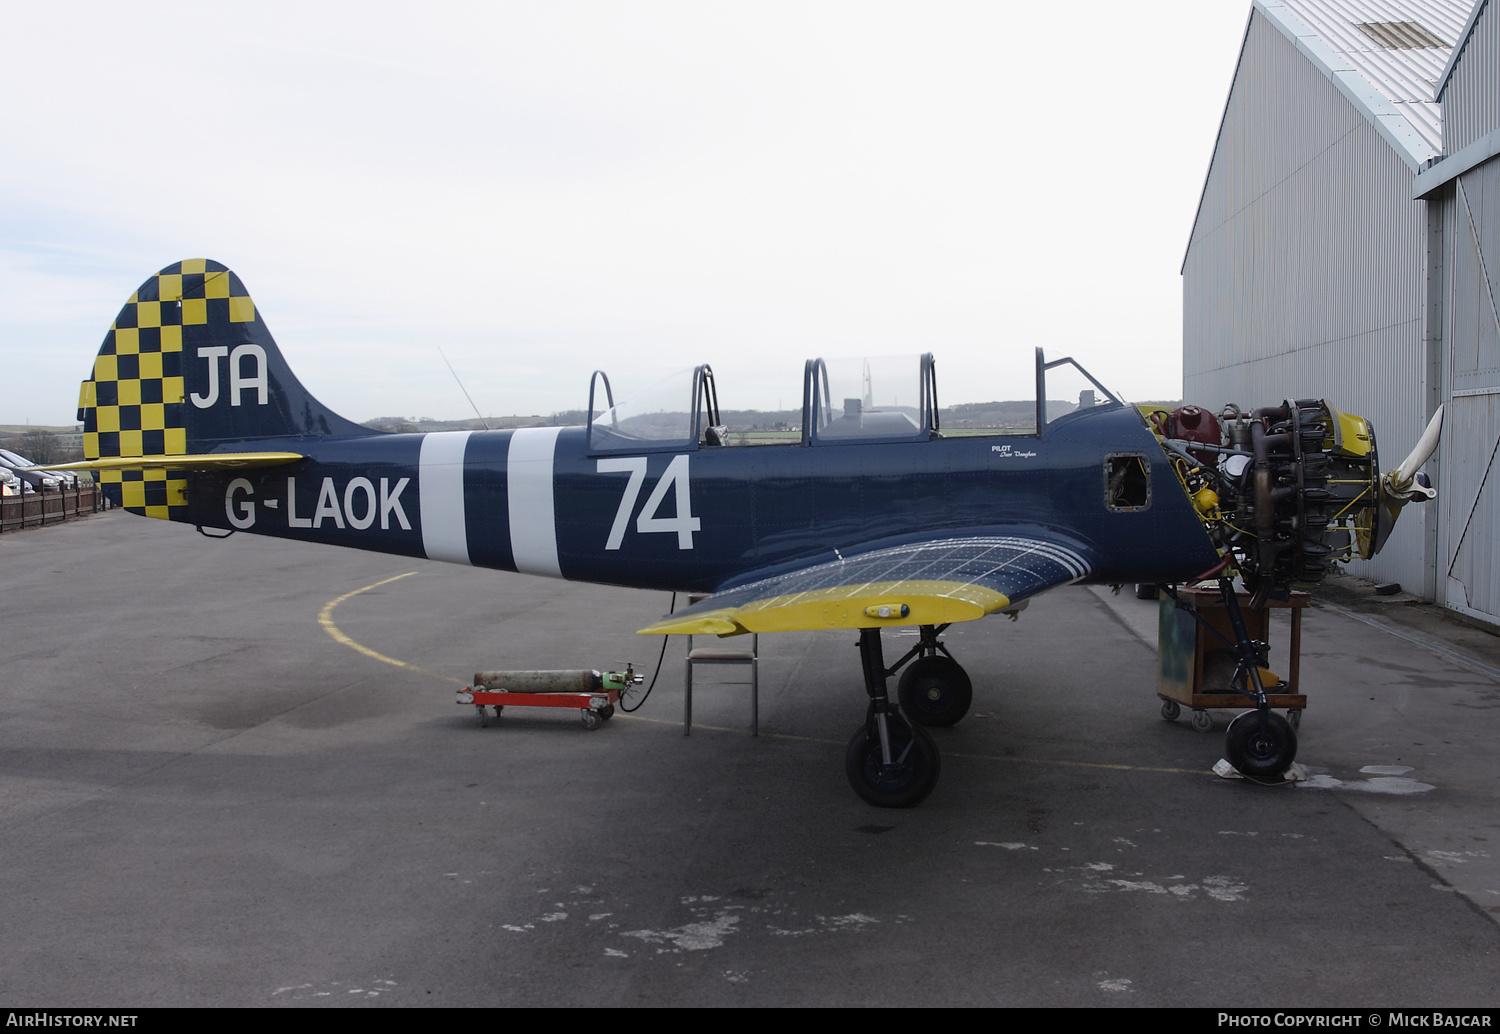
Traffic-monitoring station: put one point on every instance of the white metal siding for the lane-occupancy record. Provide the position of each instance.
(1471, 99)
(1304, 274)
(1470, 482)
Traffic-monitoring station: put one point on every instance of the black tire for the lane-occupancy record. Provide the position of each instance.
(1146, 591)
(1257, 756)
(935, 690)
(912, 781)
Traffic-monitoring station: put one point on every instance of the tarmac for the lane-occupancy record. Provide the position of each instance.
(232, 773)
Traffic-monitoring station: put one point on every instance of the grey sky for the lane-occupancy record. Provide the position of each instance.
(547, 188)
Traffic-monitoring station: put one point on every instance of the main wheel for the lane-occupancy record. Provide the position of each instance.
(911, 777)
(1260, 756)
(935, 690)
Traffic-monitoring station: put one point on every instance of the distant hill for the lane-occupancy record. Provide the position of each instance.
(1011, 415)
(64, 443)
(43, 443)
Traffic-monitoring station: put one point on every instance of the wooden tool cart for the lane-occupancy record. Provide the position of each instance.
(1194, 667)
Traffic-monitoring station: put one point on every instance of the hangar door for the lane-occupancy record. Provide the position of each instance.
(1470, 518)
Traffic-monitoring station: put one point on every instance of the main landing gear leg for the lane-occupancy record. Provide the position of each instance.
(935, 689)
(890, 762)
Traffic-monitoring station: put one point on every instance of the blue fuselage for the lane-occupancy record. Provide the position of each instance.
(539, 500)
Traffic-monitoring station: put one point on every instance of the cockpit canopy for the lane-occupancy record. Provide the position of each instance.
(844, 401)
(676, 412)
(849, 400)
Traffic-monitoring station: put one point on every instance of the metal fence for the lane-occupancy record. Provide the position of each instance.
(39, 508)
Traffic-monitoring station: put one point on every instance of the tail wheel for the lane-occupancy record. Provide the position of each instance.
(908, 780)
(935, 690)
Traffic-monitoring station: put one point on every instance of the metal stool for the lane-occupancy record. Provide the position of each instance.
(723, 655)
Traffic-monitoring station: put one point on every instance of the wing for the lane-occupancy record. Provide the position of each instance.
(921, 583)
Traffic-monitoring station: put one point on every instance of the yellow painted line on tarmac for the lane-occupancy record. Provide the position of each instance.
(1051, 762)
(1055, 763)
(325, 618)
(721, 728)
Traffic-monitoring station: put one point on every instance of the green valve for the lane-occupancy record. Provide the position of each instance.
(622, 680)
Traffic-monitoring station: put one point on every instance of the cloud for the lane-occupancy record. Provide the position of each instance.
(543, 189)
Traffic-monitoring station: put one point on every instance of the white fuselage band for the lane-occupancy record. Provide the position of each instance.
(533, 524)
(440, 486)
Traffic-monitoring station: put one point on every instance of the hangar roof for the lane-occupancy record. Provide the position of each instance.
(1458, 46)
(1385, 56)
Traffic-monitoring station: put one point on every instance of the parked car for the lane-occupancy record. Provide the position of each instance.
(9, 483)
(39, 480)
(64, 478)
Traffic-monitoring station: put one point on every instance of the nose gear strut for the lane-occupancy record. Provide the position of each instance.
(1260, 743)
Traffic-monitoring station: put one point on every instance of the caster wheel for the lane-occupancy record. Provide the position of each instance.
(935, 690)
(1170, 709)
(910, 778)
(479, 713)
(607, 712)
(1294, 716)
(590, 719)
(1260, 755)
(1202, 722)
(499, 709)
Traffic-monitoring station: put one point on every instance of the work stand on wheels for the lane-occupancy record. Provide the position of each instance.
(1195, 667)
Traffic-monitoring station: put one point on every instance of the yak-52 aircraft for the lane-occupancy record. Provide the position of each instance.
(873, 518)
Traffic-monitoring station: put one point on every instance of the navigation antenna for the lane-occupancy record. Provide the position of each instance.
(461, 387)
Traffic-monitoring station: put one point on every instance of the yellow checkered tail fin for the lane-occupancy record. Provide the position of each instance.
(189, 368)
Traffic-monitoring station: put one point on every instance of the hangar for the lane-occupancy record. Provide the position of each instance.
(1347, 245)
(1462, 189)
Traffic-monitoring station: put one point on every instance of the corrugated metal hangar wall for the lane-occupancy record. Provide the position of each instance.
(1313, 268)
(1464, 187)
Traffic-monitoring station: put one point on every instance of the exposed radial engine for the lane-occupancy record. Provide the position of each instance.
(1287, 491)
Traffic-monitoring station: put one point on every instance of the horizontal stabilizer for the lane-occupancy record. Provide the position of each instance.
(204, 461)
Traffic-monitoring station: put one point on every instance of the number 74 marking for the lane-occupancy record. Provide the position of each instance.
(684, 524)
